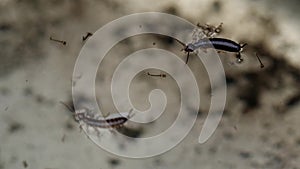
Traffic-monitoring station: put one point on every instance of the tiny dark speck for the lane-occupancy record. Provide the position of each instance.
(40, 99)
(14, 127)
(5, 27)
(69, 125)
(25, 165)
(27, 91)
(212, 150)
(153, 43)
(217, 6)
(245, 154)
(114, 162)
(228, 136)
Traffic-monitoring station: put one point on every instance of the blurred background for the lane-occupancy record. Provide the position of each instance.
(259, 128)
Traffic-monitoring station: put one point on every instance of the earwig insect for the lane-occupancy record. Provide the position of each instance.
(208, 41)
(60, 41)
(86, 36)
(111, 121)
(107, 122)
(157, 75)
(217, 43)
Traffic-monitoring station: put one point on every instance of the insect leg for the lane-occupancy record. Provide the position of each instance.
(187, 58)
(239, 58)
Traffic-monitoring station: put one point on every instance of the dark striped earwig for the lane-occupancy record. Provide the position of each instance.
(216, 43)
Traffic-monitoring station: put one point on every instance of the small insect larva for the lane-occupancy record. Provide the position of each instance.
(60, 41)
(157, 75)
(261, 64)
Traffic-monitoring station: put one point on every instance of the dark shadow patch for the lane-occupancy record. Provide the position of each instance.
(69, 125)
(25, 164)
(171, 10)
(228, 136)
(216, 6)
(27, 91)
(113, 162)
(15, 127)
(131, 132)
(245, 154)
(253, 83)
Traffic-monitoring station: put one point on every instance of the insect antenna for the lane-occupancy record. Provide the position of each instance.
(261, 64)
(69, 107)
(243, 45)
(183, 44)
(184, 49)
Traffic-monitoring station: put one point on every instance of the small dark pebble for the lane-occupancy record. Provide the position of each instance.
(157, 161)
